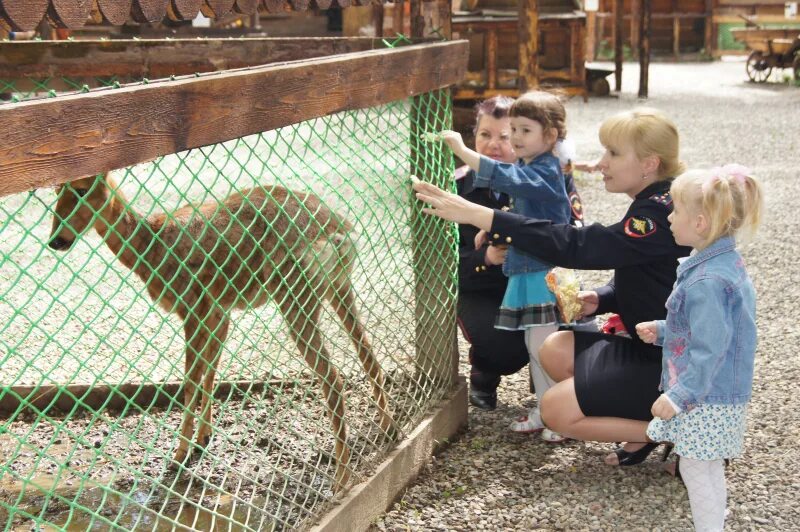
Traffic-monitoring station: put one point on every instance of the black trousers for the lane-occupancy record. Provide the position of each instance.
(493, 351)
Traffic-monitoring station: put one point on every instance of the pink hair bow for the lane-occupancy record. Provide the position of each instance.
(734, 171)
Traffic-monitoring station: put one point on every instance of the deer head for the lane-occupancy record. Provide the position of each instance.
(78, 204)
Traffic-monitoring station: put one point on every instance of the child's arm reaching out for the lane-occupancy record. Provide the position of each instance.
(470, 157)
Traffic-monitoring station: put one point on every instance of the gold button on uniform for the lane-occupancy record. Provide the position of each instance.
(483, 268)
(508, 239)
(477, 268)
(496, 236)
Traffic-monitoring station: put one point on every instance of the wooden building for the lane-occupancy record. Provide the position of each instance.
(682, 28)
(504, 59)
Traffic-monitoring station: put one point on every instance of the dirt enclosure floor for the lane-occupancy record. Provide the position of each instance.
(492, 479)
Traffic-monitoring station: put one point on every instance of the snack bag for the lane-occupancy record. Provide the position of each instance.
(565, 286)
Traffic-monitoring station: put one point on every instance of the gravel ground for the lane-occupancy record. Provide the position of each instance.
(491, 479)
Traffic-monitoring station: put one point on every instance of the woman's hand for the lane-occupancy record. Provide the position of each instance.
(647, 331)
(496, 255)
(452, 207)
(481, 238)
(590, 301)
(662, 408)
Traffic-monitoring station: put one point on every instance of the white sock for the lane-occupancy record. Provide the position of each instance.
(534, 338)
(708, 496)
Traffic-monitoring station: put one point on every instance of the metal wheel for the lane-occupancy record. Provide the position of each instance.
(757, 67)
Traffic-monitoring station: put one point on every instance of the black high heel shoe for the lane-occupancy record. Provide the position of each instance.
(626, 458)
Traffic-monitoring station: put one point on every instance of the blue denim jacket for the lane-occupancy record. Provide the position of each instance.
(536, 190)
(709, 336)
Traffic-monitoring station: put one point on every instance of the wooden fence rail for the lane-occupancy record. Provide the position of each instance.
(49, 141)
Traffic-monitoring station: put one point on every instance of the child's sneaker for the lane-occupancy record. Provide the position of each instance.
(529, 424)
(551, 436)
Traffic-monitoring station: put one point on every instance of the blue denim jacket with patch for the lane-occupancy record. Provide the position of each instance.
(536, 190)
(709, 336)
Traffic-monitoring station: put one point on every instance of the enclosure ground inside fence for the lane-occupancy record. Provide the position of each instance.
(369, 499)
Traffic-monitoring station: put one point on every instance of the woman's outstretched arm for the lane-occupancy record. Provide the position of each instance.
(452, 207)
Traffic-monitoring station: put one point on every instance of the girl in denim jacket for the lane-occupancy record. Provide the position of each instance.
(535, 186)
(709, 336)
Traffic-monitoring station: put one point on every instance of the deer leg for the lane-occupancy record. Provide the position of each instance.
(216, 324)
(196, 341)
(345, 305)
(302, 324)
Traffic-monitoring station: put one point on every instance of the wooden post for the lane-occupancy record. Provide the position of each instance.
(445, 15)
(618, 5)
(644, 48)
(377, 19)
(676, 30)
(397, 17)
(417, 19)
(591, 35)
(636, 7)
(491, 59)
(435, 333)
(708, 34)
(528, 31)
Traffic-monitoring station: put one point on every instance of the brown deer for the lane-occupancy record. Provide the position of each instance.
(202, 261)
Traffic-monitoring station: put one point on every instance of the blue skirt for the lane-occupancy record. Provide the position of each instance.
(527, 303)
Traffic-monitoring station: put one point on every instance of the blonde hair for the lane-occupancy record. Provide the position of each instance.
(729, 197)
(543, 107)
(650, 132)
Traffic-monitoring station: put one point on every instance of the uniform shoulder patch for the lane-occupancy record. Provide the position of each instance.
(663, 199)
(639, 226)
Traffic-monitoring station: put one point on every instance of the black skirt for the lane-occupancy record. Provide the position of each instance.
(615, 376)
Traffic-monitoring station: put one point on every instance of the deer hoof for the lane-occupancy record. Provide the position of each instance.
(180, 458)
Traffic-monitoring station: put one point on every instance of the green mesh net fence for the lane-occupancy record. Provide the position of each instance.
(288, 274)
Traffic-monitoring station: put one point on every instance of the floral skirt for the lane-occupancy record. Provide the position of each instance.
(527, 303)
(708, 432)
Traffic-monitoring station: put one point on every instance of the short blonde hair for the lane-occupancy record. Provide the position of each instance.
(650, 132)
(729, 197)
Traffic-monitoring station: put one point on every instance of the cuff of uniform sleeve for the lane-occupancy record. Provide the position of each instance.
(606, 300)
(504, 224)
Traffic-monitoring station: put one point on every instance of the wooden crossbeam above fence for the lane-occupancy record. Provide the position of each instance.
(159, 58)
(50, 141)
(24, 15)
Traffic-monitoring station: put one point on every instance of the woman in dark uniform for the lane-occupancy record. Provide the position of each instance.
(606, 384)
(481, 283)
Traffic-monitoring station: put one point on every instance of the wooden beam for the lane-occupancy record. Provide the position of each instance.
(528, 31)
(591, 35)
(618, 52)
(491, 59)
(636, 16)
(644, 47)
(49, 141)
(708, 31)
(159, 58)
